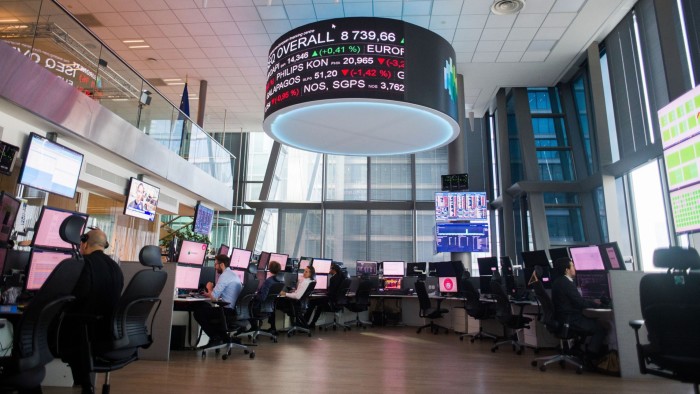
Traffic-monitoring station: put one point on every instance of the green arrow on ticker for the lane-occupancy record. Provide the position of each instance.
(402, 40)
(314, 54)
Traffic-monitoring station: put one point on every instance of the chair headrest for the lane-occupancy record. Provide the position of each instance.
(71, 229)
(677, 258)
(149, 256)
(466, 275)
(252, 269)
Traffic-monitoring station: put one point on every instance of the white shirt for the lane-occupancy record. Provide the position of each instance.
(301, 288)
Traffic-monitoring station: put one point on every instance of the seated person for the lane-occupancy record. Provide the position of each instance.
(227, 289)
(318, 305)
(96, 295)
(285, 302)
(273, 268)
(569, 306)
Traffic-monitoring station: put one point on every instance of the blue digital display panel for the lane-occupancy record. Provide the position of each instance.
(462, 237)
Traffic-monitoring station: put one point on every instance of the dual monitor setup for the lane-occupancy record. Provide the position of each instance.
(592, 264)
(442, 276)
(48, 249)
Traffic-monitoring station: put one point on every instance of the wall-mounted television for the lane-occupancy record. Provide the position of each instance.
(46, 234)
(9, 206)
(203, 219)
(141, 200)
(50, 167)
(462, 237)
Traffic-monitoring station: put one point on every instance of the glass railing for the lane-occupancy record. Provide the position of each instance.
(44, 32)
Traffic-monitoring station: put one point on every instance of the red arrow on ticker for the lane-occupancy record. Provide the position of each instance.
(345, 72)
(381, 60)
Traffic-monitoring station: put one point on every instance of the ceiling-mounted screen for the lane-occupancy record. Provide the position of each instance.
(50, 166)
(141, 200)
(456, 206)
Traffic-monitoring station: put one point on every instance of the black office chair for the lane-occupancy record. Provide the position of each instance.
(234, 325)
(476, 308)
(336, 304)
(360, 303)
(670, 305)
(131, 329)
(505, 316)
(24, 369)
(264, 311)
(426, 311)
(296, 311)
(569, 339)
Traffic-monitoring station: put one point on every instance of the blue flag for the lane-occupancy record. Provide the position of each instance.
(185, 102)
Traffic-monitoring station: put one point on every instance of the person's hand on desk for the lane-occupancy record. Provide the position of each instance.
(283, 293)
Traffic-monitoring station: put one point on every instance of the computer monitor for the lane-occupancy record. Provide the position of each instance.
(487, 267)
(557, 253)
(192, 252)
(534, 258)
(9, 207)
(206, 275)
(545, 276)
(290, 280)
(393, 268)
(508, 274)
(46, 234)
(241, 275)
(187, 277)
(448, 284)
(321, 283)
(593, 284)
(365, 268)
(280, 258)
(240, 258)
(416, 269)
(16, 260)
(611, 256)
(262, 276)
(41, 265)
(433, 268)
(392, 283)
(224, 249)
(322, 266)
(304, 262)
(587, 258)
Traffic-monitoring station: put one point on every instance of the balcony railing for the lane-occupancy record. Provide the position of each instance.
(47, 34)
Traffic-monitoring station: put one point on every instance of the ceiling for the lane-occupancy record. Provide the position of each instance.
(226, 42)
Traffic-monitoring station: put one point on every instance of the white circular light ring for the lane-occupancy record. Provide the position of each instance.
(361, 127)
(507, 7)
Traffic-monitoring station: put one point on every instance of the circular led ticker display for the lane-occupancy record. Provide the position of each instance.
(324, 78)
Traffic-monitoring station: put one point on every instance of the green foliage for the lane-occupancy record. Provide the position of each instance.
(186, 233)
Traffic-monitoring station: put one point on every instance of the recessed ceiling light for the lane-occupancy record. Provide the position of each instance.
(175, 83)
(138, 46)
(8, 20)
(507, 7)
(132, 41)
(172, 79)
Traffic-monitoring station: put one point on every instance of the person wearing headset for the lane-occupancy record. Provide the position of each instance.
(97, 293)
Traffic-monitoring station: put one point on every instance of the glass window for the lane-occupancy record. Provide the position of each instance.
(390, 178)
(564, 225)
(580, 100)
(346, 235)
(425, 238)
(430, 165)
(544, 100)
(555, 165)
(649, 213)
(549, 132)
(391, 235)
(346, 178)
(300, 232)
(298, 176)
(609, 108)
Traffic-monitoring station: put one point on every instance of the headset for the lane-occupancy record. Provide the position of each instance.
(85, 237)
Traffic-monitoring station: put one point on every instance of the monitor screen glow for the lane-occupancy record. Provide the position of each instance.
(3, 255)
(141, 200)
(366, 268)
(392, 284)
(203, 219)
(224, 249)
(321, 282)
(587, 258)
(304, 263)
(393, 268)
(50, 167)
(241, 275)
(240, 258)
(322, 266)
(41, 264)
(46, 234)
(187, 277)
(192, 253)
(448, 284)
(280, 258)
